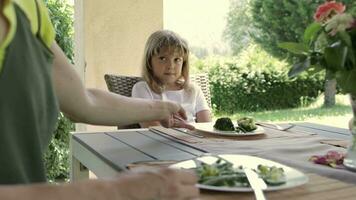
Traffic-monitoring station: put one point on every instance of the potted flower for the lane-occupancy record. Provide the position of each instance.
(329, 43)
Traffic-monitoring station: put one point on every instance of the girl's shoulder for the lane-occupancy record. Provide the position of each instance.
(141, 84)
(192, 87)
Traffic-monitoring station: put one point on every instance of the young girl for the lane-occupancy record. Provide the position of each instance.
(166, 75)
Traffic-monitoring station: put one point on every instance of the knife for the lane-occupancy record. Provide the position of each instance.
(256, 183)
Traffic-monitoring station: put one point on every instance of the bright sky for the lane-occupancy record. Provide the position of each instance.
(201, 22)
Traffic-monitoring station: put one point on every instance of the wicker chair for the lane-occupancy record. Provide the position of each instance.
(123, 85)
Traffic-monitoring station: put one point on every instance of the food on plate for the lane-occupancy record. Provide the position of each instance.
(246, 124)
(271, 175)
(222, 173)
(224, 124)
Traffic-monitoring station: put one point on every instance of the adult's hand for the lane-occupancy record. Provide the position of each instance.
(163, 184)
(177, 117)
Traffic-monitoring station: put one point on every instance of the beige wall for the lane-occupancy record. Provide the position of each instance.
(114, 33)
(109, 38)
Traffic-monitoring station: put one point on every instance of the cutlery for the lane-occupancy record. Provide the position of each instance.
(186, 131)
(275, 126)
(256, 183)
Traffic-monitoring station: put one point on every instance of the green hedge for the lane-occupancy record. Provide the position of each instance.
(57, 156)
(237, 88)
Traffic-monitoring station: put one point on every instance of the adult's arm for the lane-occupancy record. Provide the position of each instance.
(162, 184)
(99, 107)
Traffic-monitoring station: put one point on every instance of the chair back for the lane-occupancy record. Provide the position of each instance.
(123, 84)
(202, 80)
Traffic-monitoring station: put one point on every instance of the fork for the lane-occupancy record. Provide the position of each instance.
(188, 132)
(275, 126)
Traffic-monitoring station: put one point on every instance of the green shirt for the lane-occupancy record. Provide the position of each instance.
(47, 32)
(28, 105)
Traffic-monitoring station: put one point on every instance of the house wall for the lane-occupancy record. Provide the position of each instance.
(110, 36)
(114, 34)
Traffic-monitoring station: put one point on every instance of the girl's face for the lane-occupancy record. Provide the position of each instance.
(167, 66)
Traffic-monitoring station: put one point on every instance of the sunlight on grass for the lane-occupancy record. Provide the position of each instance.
(338, 116)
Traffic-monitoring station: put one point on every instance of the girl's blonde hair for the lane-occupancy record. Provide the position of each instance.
(155, 43)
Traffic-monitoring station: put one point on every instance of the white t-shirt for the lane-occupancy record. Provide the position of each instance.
(193, 101)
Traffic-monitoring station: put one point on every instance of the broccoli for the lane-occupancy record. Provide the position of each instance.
(246, 124)
(224, 124)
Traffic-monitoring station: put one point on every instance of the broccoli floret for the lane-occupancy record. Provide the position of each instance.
(247, 124)
(224, 124)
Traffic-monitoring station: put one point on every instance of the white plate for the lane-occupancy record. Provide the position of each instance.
(209, 128)
(294, 177)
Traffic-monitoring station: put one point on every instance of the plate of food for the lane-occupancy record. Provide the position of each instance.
(226, 173)
(224, 126)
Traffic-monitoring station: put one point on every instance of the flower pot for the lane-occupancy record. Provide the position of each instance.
(350, 159)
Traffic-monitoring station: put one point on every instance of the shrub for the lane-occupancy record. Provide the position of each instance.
(255, 81)
(61, 14)
(57, 156)
(235, 89)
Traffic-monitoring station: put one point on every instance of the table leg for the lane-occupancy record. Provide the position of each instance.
(78, 170)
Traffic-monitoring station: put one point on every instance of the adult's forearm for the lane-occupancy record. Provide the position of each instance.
(106, 108)
(97, 106)
(94, 190)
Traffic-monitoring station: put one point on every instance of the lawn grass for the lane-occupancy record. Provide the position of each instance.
(338, 115)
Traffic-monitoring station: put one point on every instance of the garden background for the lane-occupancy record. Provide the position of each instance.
(248, 80)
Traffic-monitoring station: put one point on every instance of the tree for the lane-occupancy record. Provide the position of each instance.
(238, 26)
(277, 21)
(286, 21)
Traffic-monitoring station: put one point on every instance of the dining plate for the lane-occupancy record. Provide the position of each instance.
(294, 177)
(209, 128)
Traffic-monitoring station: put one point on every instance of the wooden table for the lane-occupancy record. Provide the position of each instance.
(108, 153)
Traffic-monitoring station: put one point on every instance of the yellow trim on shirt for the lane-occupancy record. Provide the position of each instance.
(47, 32)
(9, 13)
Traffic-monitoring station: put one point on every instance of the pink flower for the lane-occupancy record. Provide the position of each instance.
(327, 10)
(334, 155)
(332, 158)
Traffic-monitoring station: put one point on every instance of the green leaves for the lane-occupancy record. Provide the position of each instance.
(61, 14)
(311, 32)
(296, 48)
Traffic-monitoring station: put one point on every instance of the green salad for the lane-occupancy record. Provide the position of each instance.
(222, 173)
